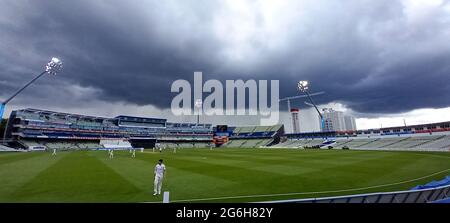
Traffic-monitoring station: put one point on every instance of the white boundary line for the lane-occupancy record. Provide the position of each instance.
(314, 192)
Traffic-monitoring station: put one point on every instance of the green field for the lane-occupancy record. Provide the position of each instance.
(220, 175)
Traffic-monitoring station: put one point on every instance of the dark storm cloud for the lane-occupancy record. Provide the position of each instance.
(373, 56)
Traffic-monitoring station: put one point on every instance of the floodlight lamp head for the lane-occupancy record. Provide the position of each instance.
(54, 66)
(198, 103)
(303, 86)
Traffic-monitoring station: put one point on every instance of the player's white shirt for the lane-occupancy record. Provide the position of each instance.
(159, 169)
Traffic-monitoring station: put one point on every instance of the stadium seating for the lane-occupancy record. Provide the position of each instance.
(354, 143)
(60, 145)
(185, 145)
(439, 144)
(381, 142)
(116, 144)
(403, 142)
(6, 149)
(49, 129)
(247, 143)
(299, 143)
(412, 142)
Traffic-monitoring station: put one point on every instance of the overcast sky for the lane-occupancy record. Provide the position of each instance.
(380, 60)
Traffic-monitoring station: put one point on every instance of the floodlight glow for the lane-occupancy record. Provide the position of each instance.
(54, 66)
(303, 86)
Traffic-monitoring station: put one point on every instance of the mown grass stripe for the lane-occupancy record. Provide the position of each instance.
(76, 177)
(201, 173)
(14, 175)
(17, 156)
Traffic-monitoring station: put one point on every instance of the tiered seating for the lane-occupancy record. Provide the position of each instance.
(264, 142)
(31, 143)
(61, 145)
(88, 145)
(355, 143)
(442, 143)
(286, 144)
(116, 144)
(185, 145)
(341, 142)
(262, 128)
(310, 143)
(6, 149)
(234, 143)
(244, 129)
(251, 143)
(247, 143)
(299, 143)
(201, 145)
(275, 128)
(40, 125)
(381, 143)
(407, 143)
(413, 142)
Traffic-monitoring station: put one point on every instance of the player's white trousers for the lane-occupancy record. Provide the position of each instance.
(158, 183)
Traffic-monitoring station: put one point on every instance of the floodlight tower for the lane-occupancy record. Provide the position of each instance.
(303, 86)
(288, 99)
(52, 67)
(295, 124)
(198, 105)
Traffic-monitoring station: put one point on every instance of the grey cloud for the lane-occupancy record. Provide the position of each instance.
(369, 55)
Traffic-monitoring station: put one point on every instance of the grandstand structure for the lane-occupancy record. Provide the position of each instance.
(254, 136)
(427, 137)
(34, 129)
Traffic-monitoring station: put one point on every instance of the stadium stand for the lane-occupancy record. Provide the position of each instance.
(254, 136)
(6, 149)
(34, 128)
(403, 142)
(427, 137)
(116, 144)
(442, 143)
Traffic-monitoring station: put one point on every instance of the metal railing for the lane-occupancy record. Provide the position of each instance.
(411, 196)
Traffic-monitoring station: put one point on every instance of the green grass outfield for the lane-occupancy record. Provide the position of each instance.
(220, 175)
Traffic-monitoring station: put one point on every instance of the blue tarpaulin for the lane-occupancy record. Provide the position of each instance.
(433, 184)
(443, 201)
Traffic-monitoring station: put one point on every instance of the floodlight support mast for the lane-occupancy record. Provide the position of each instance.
(52, 67)
(288, 99)
(322, 121)
(314, 104)
(23, 88)
(3, 105)
(303, 87)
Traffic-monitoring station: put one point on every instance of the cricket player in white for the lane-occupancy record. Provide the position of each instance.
(111, 153)
(54, 152)
(133, 153)
(160, 170)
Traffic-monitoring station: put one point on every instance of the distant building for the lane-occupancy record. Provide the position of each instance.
(295, 121)
(337, 121)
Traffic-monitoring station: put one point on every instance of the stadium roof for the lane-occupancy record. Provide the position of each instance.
(54, 113)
